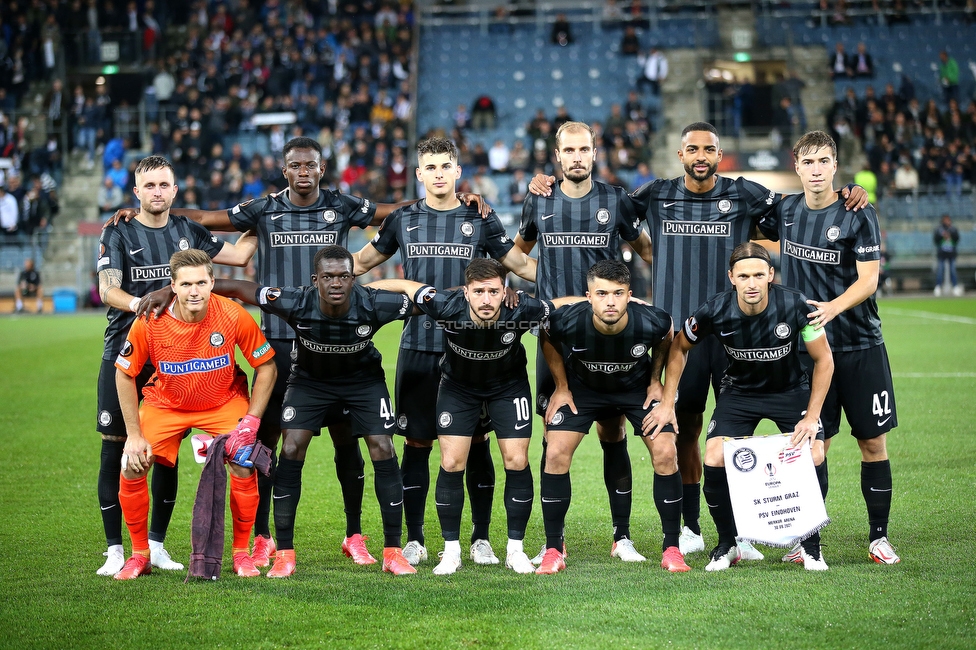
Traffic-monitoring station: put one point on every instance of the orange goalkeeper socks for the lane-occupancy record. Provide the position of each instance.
(243, 506)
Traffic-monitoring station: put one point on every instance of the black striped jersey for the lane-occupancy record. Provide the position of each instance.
(762, 349)
(335, 348)
(820, 250)
(693, 236)
(289, 237)
(142, 255)
(609, 363)
(483, 356)
(574, 234)
(435, 247)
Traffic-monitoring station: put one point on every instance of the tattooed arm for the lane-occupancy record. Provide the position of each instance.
(110, 289)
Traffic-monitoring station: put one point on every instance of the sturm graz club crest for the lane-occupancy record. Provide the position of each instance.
(508, 337)
(603, 216)
(363, 330)
(744, 459)
(288, 414)
(725, 206)
(184, 243)
(782, 330)
(467, 229)
(638, 350)
(216, 339)
(832, 233)
(444, 420)
(329, 216)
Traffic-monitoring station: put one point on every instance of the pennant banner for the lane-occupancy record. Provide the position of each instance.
(775, 494)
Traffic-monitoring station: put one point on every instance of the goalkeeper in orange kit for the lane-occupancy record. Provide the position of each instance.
(196, 384)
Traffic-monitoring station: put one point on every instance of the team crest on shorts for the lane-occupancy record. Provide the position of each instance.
(329, 216)
(638, 350)
(467, 229)
(402, 422)
(444, 420)
(603, 216)
(557, 418)
(508, 337)
(104, 418)
(126, 349)
(184, 243)
(216, 339)
(288, 414)
(725, 206)
(744, 459)
(543, 402)
(363, 330)
(832, 233)
(782, 331)
(711, 424)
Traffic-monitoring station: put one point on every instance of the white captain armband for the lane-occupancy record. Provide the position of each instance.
(810, 334)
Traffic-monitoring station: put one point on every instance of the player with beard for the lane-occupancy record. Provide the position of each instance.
(580, 224)
(695, 222)
(291, 226)
(833, 255)
(133, 260)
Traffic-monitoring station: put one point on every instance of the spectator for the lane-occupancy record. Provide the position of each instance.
(482, 183)
(946, 239)
(643, 176)
(839, 64)
(861, 63)
(498, 157)
(29, 286)
(483, 113)
(110, 197)
(869, 181)
(654, 70)
(948, 77)
(519, 157)
(518, 188)
(9, 215)
(630, 43)
(56, 105)
(561, 31)
(118, 173)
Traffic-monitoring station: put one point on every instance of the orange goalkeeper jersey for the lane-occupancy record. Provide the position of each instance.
(195, 367)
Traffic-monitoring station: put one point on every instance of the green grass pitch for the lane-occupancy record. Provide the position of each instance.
(51, 538)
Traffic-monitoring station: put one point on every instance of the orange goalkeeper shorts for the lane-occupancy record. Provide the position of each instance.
(164, 428)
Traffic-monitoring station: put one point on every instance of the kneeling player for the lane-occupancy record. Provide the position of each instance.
(607, 373)
(196, 384)
(484, 363)
(760, 325)
(336, 365)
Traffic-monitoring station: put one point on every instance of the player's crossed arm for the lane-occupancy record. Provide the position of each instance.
(663, 414)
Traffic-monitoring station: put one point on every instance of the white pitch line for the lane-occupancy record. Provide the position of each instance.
(928, 314)
(934, 375)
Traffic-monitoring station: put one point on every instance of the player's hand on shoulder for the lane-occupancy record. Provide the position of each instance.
(855, 198)
(155, 303)
(512, 297)
(468, 198)
(541, 185)
(823, 314)
(122, 214)
(638, 301)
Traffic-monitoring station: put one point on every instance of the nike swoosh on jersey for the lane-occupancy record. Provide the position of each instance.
(727, 333)
(303, 327)
(579, 349)
(789, 224)
(412, 228)
(275, 217)
(138, 250)
(549, 216)
(668, 205)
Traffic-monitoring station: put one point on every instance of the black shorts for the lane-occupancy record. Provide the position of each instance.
(308, 402)
(737, 414)
(706, 366)
(592, 406)
(863, 389)
(109, 421)
(418, 377)
(460, 409)
(284, 349)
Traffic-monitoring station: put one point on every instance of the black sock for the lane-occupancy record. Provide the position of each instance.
(449, 499)
(619, 481)
(519, 494)
(557, 492)
(876, 488)
(389, 492)
(109, 471)
(416, 483)
(350, 470)
(691, 506)
(825, 484)
(812, 545)
(481, 488)
(667, 498)
(262, 518)
(545, 445)
(719, 503)
(287, 493)
(165, 483)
